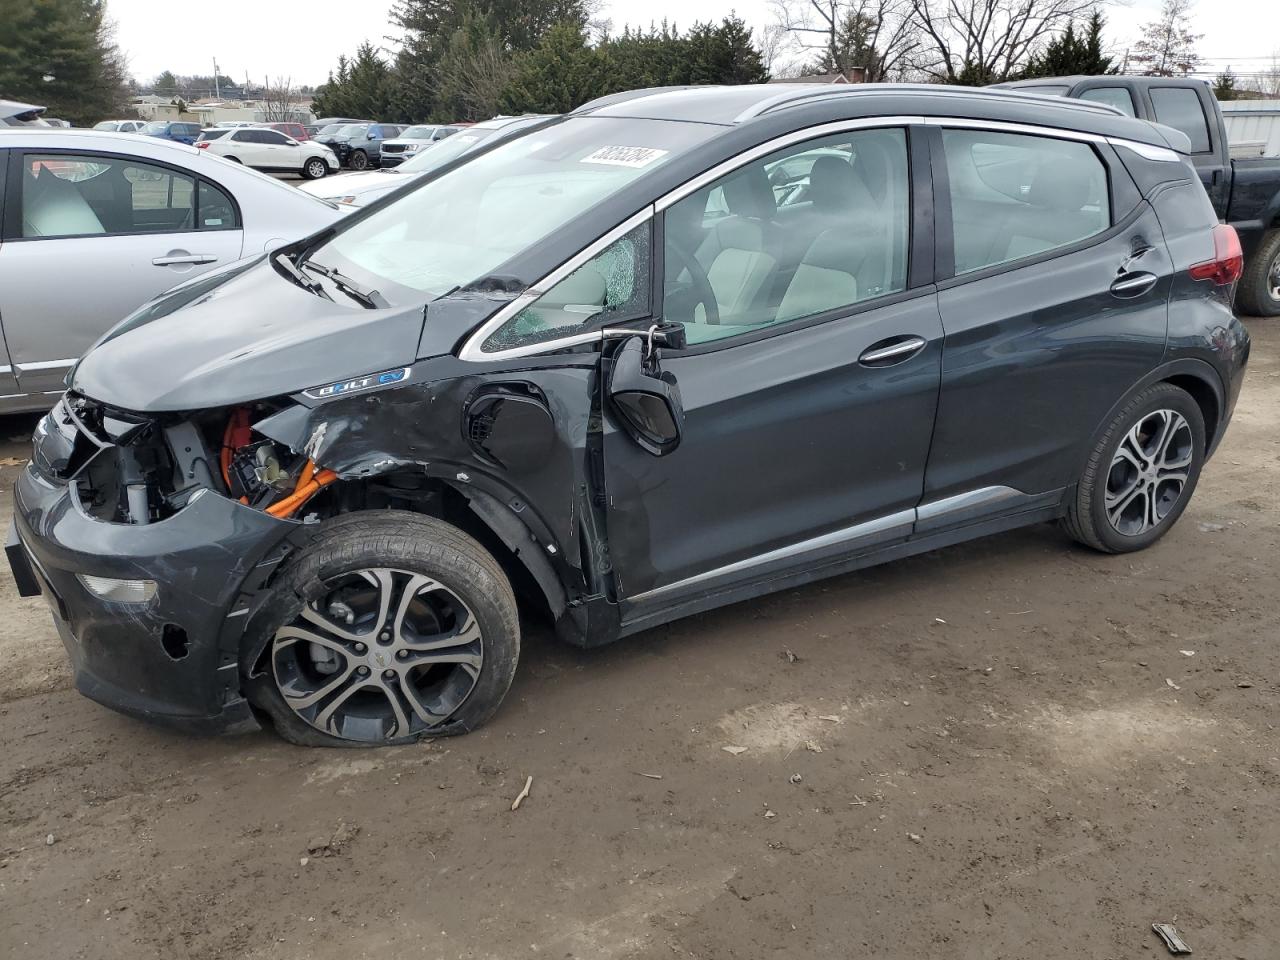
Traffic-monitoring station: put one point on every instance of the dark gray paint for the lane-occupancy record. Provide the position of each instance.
(788, 442)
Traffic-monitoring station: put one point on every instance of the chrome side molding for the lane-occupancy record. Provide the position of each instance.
(901, 523)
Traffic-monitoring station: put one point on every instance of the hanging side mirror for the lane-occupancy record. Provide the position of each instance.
(646, 400)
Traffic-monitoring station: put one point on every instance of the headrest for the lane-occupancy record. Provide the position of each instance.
(835, 187)
(749, 194)
(1060, 185)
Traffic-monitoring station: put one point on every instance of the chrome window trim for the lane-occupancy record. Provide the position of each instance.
(1146, 150)
(45, 365)
(778, 143)
(471, 349)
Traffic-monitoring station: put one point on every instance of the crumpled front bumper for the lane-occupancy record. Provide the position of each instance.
(173, 659)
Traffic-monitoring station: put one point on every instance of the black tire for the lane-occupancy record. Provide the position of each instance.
(1088, 519)
(314, 168)
(405, 542)
(1258, 294)
(359, 160)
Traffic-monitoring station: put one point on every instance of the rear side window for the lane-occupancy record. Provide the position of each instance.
(64, 195)
(1180, 108)
(1015, 195)
(1117, 97)
(216, 209)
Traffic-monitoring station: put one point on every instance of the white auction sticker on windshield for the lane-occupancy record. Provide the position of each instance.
(625, 156)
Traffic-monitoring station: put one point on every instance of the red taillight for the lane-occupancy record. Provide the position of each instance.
(1228, 259)
(203, 144)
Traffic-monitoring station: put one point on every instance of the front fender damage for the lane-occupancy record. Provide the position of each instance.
(418, 430)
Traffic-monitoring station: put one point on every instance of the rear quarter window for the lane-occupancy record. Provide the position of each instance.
(1180, 108)
(1117, 97)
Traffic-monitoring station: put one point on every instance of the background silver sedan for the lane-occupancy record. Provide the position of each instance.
(93, 224)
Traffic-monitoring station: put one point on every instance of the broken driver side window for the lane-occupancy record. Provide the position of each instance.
(610, 287)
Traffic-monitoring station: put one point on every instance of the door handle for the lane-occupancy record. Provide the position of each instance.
(891, 351)
(185, 258)
(1130, 285)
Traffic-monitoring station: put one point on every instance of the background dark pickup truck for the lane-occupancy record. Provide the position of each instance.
(1245, 193)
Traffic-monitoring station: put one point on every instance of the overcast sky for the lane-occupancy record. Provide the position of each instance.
(303, 41)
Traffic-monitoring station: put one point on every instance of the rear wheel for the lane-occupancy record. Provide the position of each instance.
(389, 628)
(1141, 474)
(359, 160)
(1259, 291)
(314, 168)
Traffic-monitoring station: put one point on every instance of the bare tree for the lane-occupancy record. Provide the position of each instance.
(772, 40)
(878, 36)
(280, 101)
(1168, 47)
(987, 41)
(474, 77)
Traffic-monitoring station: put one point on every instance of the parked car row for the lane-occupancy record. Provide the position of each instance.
(360, 189)
(269, 150)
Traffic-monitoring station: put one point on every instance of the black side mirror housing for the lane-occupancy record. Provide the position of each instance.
(646, 400)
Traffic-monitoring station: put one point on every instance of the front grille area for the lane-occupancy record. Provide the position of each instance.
(393, 147)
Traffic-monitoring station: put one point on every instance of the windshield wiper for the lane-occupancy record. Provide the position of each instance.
(367, 296)
(298, 277)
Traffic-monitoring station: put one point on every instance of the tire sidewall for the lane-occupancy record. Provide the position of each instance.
(318, 164)
(357, 164)
(1164, 397)
(488, 596)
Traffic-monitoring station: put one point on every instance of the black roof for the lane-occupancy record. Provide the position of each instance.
(735, 106)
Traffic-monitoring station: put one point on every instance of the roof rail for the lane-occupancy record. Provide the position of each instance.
(817, 93)
(624, 96)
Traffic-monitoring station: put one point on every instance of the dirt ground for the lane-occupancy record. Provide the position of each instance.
(1010, 749)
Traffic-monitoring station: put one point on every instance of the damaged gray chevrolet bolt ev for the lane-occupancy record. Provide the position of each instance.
(676, 349)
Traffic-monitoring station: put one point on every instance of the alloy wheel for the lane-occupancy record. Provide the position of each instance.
(316, 169)
(1149, 472)
(382, 654)
(1273, 279)
(359, 160)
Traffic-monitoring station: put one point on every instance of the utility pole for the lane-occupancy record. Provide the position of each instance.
(217, 91)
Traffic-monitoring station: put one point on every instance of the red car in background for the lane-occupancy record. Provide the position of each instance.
(295, 130)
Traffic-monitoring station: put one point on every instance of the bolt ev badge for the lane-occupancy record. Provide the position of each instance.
(359, 383)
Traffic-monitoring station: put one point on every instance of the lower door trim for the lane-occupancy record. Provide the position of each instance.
(951, 519)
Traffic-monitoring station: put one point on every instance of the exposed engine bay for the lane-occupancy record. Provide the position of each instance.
(133, 469)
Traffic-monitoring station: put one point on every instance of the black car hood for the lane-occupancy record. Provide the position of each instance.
(246, 334)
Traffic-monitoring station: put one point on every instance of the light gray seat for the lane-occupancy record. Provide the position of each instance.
(738, 253)
(826, 277)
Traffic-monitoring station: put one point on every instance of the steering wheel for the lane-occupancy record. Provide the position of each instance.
(702, 288)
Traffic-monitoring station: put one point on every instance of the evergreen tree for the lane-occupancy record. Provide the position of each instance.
(1074, 54)
(166, 84)
(1224, 85)
(560, 74)
(60, 54)
(362, 87)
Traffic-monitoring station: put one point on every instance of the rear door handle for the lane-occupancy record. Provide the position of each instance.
(185, 258)
(1130, 285)
(893, 350)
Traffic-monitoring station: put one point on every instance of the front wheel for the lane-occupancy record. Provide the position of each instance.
(390, 627)
(1259, 292)
(1141, 474)
(359, 160)
(315, 168)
